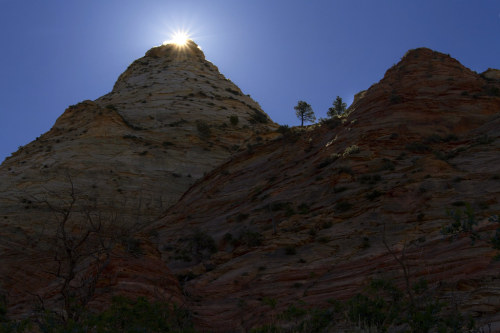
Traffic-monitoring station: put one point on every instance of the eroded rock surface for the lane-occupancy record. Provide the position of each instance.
(303, 217)
(125, 157)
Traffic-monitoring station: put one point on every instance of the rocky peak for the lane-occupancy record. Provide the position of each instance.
(422, 65)
(430, 78)
(170, 118)
(189, 51)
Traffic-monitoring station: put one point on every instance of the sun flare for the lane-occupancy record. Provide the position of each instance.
(179, 38)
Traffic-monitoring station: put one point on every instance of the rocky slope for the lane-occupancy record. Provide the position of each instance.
(310, 215)
(127, 156)
(166, 123)
(305, 218)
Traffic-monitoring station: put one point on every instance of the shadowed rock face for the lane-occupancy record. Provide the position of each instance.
(128, 155)
(421, 141)
(302, 217)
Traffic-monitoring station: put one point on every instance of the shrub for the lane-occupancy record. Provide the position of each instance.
(203, 128)
(283, 129)
(140, 315)
(464, 221)
(201, 241)
(258, 117)
(233, 119)
(331, 123)
(354, 149)
(395, 99)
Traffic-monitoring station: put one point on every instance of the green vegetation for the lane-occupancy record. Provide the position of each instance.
(203, 128)
(331, 122)
(233, 119)
(258, 117)
(201, 241)
(338, 109)
(285, 130)
(304, 112)
(354, 149)
(464, 222)
(124, 315)
(380, 307)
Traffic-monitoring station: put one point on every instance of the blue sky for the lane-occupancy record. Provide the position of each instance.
(55, 53)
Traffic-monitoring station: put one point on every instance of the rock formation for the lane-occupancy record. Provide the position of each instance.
(127, 156)
(305, 217)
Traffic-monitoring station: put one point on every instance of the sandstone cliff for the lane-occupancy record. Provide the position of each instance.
(306, 217)
(170, 118)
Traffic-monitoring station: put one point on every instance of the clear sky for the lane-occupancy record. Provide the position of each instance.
(55, 53)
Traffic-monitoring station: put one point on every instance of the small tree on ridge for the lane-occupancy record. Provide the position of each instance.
(338, 109)
(304, 112)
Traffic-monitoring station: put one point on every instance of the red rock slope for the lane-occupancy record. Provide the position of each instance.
(304, 218)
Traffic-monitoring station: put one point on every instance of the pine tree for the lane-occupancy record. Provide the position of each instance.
(338, 108)
(304, 112)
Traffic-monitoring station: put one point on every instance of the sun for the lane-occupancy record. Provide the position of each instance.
(179, 38)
